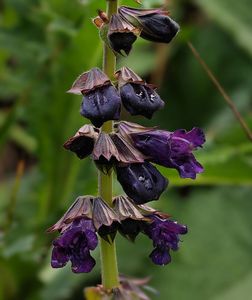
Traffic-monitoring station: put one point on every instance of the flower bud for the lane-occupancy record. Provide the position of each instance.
(155, 24)
(101, 101)
(141, 182)
(137, 97)
(121, 34)
(82, 143)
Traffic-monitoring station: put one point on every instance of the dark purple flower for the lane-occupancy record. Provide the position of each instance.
(165, 236)
(121, 34)
(172, 149)
(75, 244)
(101, 104)
(155, 24)
(140, 99)
(141, 182)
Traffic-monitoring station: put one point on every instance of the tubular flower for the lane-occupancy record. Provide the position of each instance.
(141, 182)
(121, 34)
(101, 101)
(165, 236)
(75, 244)
(137, 97)
(172, 149)
(155, 24)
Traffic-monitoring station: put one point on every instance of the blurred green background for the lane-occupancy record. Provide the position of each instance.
(45, 44)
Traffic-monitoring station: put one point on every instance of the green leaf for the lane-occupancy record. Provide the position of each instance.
(234, 16)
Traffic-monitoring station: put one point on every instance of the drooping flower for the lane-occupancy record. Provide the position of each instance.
(82, 143)
(78, 233)
(74, 245)
(165, 236)
(138, 97)
(101, 101)
(155, 24)
(141, 182)
(172, 149)
(121, 34)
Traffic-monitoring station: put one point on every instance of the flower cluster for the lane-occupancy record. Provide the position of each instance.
(90, 216)
(131, 150)
(123, 28)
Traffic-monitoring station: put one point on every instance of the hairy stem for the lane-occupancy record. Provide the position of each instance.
(108, 250)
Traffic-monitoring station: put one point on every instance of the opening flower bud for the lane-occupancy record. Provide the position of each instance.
(121, 34)
(101, 101)
(155, 24)
(141, 182)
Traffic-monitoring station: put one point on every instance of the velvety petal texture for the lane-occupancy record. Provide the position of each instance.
(101, 104)
(141, 182)
(140, 99)
(165, 236)
(172, 149)
(75, 244)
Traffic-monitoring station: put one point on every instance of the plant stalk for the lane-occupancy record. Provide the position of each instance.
(110, 278)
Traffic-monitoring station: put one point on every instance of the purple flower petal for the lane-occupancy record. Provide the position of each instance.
(75, 244)
(160, 257)
(82, 264)
(59, 257)
(172, 150)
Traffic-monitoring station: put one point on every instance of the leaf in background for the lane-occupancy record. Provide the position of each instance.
(234, 16)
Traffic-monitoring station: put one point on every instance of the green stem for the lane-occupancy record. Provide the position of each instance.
(108, 250)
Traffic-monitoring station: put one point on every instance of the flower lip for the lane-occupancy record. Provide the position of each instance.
(89, 81)
(165, 236)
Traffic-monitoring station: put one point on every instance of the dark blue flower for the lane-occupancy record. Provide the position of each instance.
(172, 149)
(121, 34)
(101, 104)
(75, 244)
(165, 236)
(155, 24)
(142, 182)
(140, 99)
